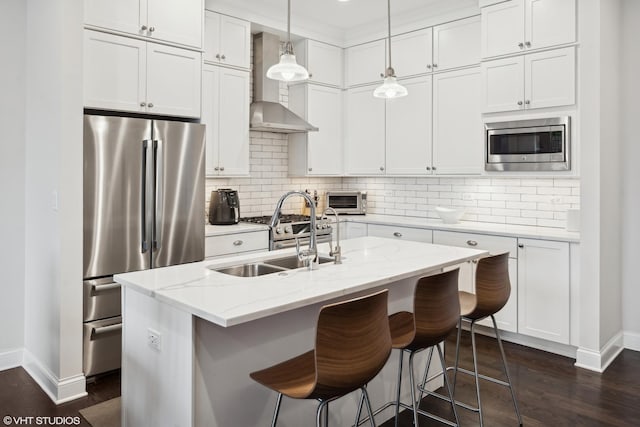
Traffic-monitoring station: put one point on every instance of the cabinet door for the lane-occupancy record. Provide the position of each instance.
(457, 122)
(408, 129)
(549, 23)
(352, 230)
(550, 78)
(543, 289)
(456, 44)
(324, 148)
(233, 130)
(404, 233)
(502, 28)
(324, 63)
(412, 53)
(173, 81)
(364, 132)
(177, 22)
(365, 62)
(235, 42)
(211, 37)
(119, 15)
(211, 117)
(114, 72)
(503, 85)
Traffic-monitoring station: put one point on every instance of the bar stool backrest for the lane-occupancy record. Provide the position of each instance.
(353, 343)
(436, 308)
(492, 285)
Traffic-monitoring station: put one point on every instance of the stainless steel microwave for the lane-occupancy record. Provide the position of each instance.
(528, 145)
(347, 202)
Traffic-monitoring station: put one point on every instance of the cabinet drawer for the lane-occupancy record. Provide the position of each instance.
(494, 244)
(405, 233)
(236, 243)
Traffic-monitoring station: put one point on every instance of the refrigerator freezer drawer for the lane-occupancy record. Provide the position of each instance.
(102, 346)
(101, 299)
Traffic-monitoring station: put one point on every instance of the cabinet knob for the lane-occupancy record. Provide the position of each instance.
(221, 168)
(143, 104)
(143, 28)
(520, 245)
(223, 57)
(216, 168)
(435, 65)
(428, 168)
(382, 75)
(433, 168)
(397, 234)
(151, 105)
(519, 102)
(527, 44)
(310, 75)
(521, 45)
(310, 169)
(381, 168)
(428, 66)
(527, 102)
(472, 243)
(238, 243)
(217, 56)
(152, 29)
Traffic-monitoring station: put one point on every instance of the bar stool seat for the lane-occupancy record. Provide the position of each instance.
(352, 345)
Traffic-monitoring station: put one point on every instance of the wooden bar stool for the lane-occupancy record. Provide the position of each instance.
(492, 293)
(352, 345)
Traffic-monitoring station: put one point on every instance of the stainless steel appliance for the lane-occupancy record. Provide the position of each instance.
(224, 207)
(291, 228)
(528, 145)
(347, 202)
(143, 208)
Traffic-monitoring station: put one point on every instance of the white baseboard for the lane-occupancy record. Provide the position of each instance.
(11, 359)
(632, 341)
(599, 360)
(59, 390)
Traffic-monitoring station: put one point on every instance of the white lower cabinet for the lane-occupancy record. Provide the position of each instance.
(404, 233)
(236, 243)
(351, 230)
(544, 290)
(507, 318)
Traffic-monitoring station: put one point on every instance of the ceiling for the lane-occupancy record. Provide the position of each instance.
(340, 20)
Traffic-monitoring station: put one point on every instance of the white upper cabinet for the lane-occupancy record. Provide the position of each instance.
(171, 21)
(408, 129)
(537, 80)
(227, 40)
(364, 142)
(365, 63)
(316, 153)
(457, 122)
(412, 53)
(521, 25)
(126, 74)
(225, 112)
(323, 61)
(456, 44)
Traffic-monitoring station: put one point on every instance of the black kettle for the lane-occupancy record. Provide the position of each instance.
(224, 207)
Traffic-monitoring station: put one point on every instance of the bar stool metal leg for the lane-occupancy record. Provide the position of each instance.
(475, 368)
(400, 357)
(276, 411)
(413, 391)
(506, 370)
(319, 412)
(447, 385)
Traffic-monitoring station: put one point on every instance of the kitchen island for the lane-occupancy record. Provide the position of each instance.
(192, 335)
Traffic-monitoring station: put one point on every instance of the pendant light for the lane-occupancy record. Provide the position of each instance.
(288, 70)
(390, 87)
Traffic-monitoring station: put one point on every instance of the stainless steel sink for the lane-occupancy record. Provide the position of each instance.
(292, 262)
(249, 270)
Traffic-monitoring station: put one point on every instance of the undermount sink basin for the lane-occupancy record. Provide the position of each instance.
(249, 270)
(292, 262)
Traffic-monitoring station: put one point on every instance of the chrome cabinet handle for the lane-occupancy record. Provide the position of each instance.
(107, 287)
(428, 66)
(216, 168)
(152, 29)
(521, 45)
(382, 75)
(238, 243)
(433, 168)
(221, 168)
(151, 105)
(223, 57)
(527, 44)
(310, 75)
(519, 102)
(310, 169)
(397, 234)
(142, 104)
(105, 329)
(527, 102)
(143, 28)
(428, 168)
(217, 56)
(520, 245)
(144, 244)
(472, 243)
(435, 65)
(381, 168)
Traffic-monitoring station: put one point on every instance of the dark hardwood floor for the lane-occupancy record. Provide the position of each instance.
(550, 390)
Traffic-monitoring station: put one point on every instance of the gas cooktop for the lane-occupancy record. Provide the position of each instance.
(284, 219)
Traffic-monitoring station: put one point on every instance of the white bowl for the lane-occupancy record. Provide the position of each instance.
(450, 215)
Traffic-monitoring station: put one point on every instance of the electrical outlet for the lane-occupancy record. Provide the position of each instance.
(154, 339)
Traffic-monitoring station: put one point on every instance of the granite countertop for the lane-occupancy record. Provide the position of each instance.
(229, 300)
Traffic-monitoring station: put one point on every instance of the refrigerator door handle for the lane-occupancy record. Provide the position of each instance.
(144, 246)
(158, 162)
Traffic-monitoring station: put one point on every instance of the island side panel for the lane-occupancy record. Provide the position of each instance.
(225, 395)
(157, 387)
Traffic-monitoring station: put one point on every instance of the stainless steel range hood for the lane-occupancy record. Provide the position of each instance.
(267, 114)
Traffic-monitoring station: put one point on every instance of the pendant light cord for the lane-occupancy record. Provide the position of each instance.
(389, 27)
(289, 20)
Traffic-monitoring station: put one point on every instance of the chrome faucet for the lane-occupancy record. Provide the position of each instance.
(336, 252)
(309, 256)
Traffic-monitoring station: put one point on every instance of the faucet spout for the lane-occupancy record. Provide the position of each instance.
(336, 252)
(310, 256)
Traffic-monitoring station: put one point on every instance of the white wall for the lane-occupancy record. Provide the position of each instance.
(631, 172)
(12, 180)
(53, 273)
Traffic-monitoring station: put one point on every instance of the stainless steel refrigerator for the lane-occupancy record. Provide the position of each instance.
(143, 208)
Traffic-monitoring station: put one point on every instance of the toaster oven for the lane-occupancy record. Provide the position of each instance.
(347, 202)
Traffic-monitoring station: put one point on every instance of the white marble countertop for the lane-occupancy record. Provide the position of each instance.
(547, 233)
(229, 300)
(241, 227)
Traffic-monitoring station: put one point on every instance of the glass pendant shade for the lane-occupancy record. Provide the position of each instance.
(287, 70)
(390, 88)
